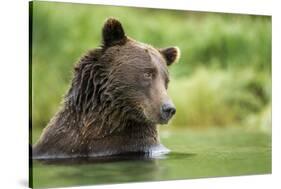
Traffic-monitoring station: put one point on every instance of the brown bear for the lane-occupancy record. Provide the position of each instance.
(116, 99)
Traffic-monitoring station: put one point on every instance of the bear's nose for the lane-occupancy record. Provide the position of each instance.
(167, 111)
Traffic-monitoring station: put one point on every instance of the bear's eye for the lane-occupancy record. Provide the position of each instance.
(148, 75)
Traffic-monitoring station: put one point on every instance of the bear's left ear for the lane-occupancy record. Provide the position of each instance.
(171, 54)
(112, 32)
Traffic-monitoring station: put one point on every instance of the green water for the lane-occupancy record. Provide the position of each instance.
(194, 154)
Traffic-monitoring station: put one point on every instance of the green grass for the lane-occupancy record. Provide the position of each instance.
(220, 97)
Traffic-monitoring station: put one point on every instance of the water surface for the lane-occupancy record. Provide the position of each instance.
(194, 154)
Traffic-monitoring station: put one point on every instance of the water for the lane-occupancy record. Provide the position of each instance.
(193, 155)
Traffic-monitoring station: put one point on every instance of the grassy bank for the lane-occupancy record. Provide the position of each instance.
(221, 97)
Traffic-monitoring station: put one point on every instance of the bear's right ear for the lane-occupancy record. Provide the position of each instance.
(113, 33)
(171, 54)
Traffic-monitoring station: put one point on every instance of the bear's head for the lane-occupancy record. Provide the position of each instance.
(139, 73)
(130, 79)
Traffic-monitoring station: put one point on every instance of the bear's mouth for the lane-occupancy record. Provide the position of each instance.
(160, 120)
(164, 121)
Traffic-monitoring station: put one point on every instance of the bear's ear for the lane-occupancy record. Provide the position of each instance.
(171, 54)
(112, 32)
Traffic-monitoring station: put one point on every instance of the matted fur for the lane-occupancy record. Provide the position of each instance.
(103, 112)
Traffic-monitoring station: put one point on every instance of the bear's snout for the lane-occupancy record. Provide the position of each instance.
(167, 111)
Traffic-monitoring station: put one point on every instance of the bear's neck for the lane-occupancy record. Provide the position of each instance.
(134, 137)
(101, 125)
(139, 130)
(98, 138)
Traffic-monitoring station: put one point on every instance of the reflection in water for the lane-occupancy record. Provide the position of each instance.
(225, 153)
(99, 170)
(110, 159)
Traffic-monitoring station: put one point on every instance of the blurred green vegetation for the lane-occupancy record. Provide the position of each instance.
(223, 77)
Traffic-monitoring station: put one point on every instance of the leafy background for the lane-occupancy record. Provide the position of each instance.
(223, 77)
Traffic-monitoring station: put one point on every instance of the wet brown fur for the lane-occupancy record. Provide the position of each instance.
(108, 109)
